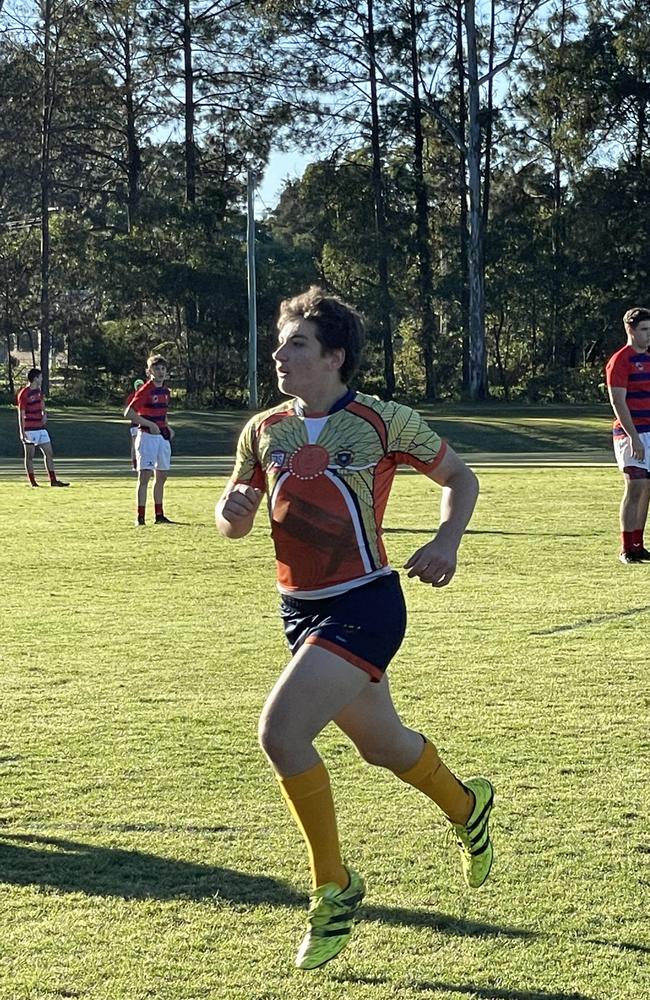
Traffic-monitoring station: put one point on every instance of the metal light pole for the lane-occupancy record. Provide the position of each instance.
(252, 301)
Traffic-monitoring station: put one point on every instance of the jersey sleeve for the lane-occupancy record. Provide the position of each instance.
(139, 398)
(412, 442)
(617, 371)
(21, 399)
(247, 465)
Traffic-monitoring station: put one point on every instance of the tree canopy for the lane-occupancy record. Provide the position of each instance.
(479, 187)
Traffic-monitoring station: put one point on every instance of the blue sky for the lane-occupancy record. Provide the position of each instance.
(282, 166)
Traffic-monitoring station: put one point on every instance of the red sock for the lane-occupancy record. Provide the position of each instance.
(141, 511)
(637, 539)
(52, 476)
(627, 540)
(158, 508)
(32, 478)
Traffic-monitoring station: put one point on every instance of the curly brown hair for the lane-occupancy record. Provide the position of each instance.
(337, 324)
(636, 315)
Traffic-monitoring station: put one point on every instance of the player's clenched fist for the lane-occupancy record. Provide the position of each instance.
(236, 510)
(241, 502)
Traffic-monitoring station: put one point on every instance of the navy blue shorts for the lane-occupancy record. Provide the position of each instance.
(364, 626)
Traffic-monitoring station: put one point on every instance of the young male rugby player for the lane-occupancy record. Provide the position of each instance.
(32, 421)
(148, 409)
(326, 459)
(628, 384)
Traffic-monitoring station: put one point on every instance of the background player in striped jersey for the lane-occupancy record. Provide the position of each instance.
(326, 459)
(148, 409)
(628, 383)
(32, 420)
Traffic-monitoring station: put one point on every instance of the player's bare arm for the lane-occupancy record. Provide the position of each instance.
(136, 418)
(236, 510)
(435, 562)
(618, 399)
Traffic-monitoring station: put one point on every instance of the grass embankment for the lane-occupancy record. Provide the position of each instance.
(88, 432)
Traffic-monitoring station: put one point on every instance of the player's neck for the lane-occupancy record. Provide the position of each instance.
(322, 400)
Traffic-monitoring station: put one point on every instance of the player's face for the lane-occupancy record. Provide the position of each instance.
(38, 381)
(158, 372)
(300, 364)
(640, 335)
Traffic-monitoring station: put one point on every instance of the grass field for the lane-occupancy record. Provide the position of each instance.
(144, 849)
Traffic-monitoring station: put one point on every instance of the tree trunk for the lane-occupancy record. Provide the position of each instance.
(190, 147)
(428, 323)
(462, 188)
(133, 158)
(45, 190)
(477, 358)
(380, 217)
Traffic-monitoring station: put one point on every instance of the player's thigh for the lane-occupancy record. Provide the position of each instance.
(145, 451)
(163, 457)
(313, 689)
(46, 448)
(372, 723)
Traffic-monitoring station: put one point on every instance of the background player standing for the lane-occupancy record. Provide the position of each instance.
(628, 383)
(326, 459)
(148, 409)
(32, 420)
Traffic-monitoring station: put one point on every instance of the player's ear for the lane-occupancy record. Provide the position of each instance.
(337, 354)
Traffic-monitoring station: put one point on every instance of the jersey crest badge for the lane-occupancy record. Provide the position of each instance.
(278, 458)
(343, 458)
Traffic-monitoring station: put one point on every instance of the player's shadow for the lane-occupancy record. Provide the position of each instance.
(71, 866)
(496, 993)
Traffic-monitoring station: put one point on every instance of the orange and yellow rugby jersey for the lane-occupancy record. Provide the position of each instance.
(328, 479)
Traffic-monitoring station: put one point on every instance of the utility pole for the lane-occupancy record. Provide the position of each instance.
(252, 297)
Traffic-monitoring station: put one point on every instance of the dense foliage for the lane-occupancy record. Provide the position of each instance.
(129, 126)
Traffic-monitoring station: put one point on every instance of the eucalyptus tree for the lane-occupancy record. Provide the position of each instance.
(119, 38)
(505, 26)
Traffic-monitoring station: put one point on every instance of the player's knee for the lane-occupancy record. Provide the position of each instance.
(376, 754)
(270, 739)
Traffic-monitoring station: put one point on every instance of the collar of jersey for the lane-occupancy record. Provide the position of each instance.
(340, 404)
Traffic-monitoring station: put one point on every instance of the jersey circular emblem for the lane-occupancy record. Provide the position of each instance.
(309, 462)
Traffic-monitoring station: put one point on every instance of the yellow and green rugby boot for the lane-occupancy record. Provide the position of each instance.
(331, 919)
(473, 837)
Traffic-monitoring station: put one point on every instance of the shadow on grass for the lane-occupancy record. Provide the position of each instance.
(71, 866)
(494, 993)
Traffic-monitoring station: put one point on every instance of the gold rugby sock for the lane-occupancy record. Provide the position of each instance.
(309, 798)
(432, 777)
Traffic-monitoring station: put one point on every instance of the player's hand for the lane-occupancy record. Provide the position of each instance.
(154, 428)
(637, 447)
(434, 563)
(241, 503)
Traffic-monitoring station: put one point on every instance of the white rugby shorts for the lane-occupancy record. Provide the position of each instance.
(37, 437)
(152, 451)
(623, 452)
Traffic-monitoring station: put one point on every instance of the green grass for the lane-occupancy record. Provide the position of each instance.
(91, 432)
(144, 848)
